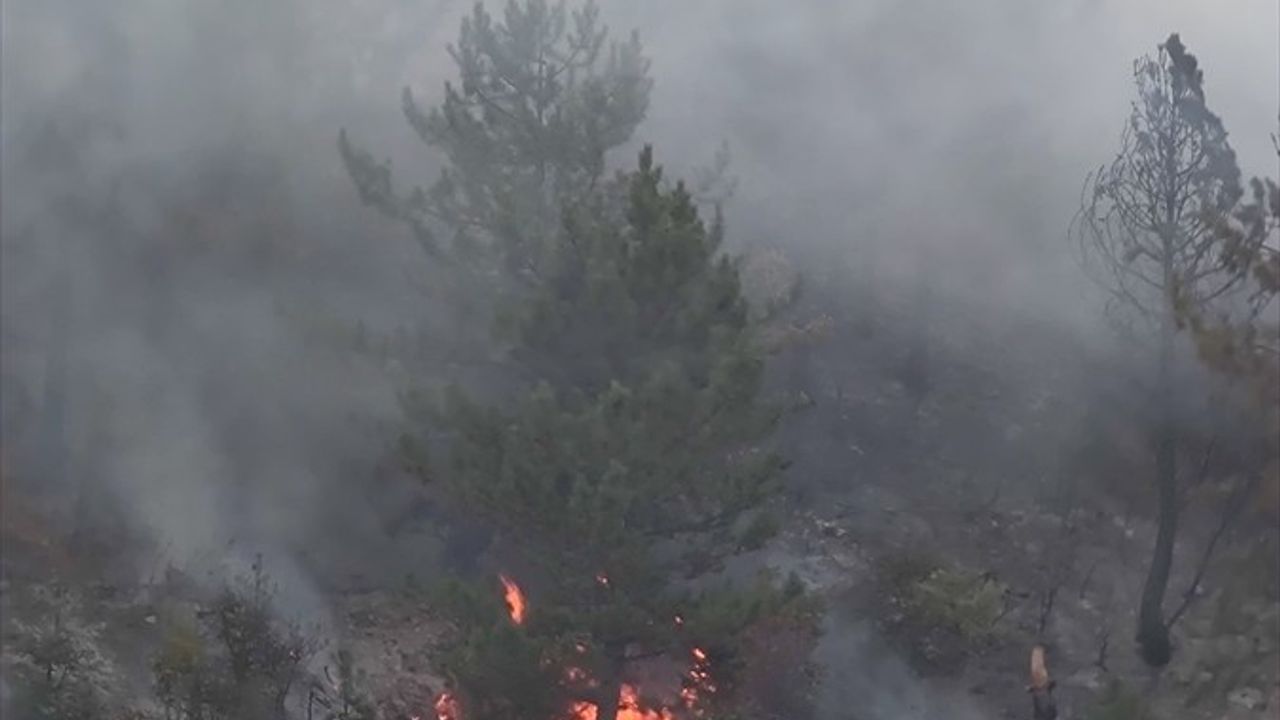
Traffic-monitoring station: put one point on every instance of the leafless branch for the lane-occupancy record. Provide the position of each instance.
(1084, 584)
(1234, 505)
(1203, 473)
(1101, 660)
(1046, 608)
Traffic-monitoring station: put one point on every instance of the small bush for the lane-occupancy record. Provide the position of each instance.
(942, 614)
(963, 602)
(238, 661)
(188, 683)
(59, 669)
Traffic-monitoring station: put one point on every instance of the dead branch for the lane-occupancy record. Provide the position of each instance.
(1007, 604)
(1203, 473)
(1046, 607)
(1084, 584)
(1234, 505)
(1101, 661)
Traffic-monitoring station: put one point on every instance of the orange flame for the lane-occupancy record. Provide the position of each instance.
(446, 707)
(629, 708)
(515, 599)
(697, 679)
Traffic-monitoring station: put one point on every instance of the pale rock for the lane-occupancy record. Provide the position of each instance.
(1245, 697)
(1090, 678)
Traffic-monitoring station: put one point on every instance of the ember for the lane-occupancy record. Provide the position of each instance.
(629, 708)
(697, 683)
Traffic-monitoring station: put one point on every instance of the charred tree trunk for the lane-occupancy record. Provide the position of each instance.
(607, 708)
(1153, 631)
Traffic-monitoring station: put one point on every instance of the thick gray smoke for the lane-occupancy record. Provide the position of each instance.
(874, 138)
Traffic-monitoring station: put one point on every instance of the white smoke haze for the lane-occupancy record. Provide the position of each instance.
(868, 681)
(867, 138)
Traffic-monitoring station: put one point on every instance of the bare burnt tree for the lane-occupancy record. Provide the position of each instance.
(1146, 235)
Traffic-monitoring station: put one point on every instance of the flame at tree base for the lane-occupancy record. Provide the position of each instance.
(628, 708)
(697, 681)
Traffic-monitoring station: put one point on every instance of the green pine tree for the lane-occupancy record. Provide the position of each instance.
(541, 99)
(542, 96)
(638, 458)
(627, 450)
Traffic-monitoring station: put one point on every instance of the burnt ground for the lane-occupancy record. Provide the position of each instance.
(990, 468)
(979, 458)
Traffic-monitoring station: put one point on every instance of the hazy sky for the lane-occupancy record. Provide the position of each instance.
(840, 84)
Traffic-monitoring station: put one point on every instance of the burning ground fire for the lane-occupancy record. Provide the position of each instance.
(697, 681)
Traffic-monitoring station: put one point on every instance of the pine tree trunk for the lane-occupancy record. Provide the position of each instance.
(611, 687)
(1153, 632)
(608, 707)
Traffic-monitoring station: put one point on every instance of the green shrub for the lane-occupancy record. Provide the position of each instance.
(1120, 703)
(187, 681)
(942, 614)
(237, 662)
(964, 602)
